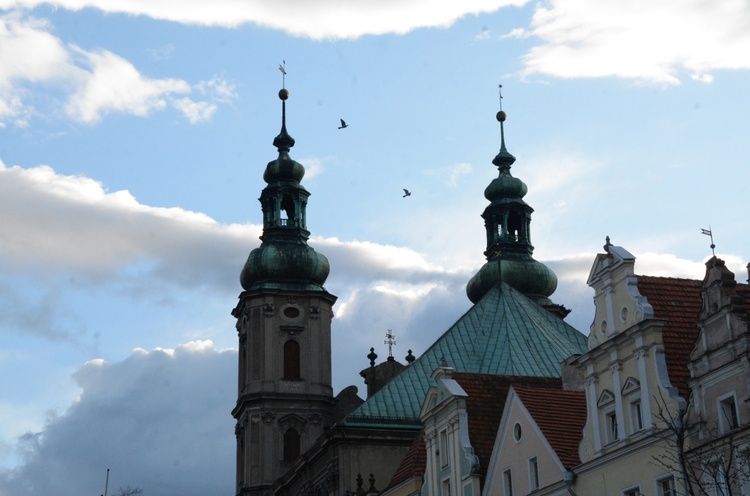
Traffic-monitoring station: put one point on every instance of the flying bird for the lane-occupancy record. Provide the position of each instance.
(343, 124)
(406, 193)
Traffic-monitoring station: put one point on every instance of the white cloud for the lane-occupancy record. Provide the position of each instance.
(450, 174)
(650, 42)
(195, 111)
(93, 83)
(72, 223)
(114, 84)
(319, 19)
(159, 420)
(218, 88)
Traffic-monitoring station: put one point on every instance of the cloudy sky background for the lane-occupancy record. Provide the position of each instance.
(133, 140)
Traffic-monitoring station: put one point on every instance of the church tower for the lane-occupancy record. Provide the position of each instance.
(507, 220)
(285, 399)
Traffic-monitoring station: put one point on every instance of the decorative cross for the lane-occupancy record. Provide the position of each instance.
(390, 340)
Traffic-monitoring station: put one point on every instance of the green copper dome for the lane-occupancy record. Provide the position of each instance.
(507, 221)
(284, 260)
(532, 278)
(297, 267)
(505, 186)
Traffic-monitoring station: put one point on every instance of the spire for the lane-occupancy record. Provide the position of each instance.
(284, 260)
(507, 221)
(503, 160)
(283, 142)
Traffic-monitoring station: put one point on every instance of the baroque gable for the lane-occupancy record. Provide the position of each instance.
(619, 304)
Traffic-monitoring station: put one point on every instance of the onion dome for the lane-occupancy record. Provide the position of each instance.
(508, 224)
(284, 260)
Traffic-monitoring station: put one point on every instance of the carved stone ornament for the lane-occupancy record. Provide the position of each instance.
(315, 418)
(268, 417)
(314, 312)
(268, 309)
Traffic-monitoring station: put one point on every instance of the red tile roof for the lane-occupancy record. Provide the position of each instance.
(484, 406)
(413, 465)
(560, 414)
(678, 302)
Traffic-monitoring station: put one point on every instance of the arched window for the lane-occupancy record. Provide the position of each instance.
(291, 445)
(287, 206)
(291, 360)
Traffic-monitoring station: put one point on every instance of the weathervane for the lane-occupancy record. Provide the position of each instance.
(282, 68)
(708, 232)
(500, 93)
(390, 340)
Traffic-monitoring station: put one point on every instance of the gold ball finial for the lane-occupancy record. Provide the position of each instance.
(283, 94)
(501, 116)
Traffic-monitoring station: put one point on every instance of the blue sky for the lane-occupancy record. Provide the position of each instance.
(133, 141)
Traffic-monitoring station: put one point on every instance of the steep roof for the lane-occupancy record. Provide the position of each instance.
(484, 408)
(678, 302)
(505, 333)
(562, 427)
(413, 465)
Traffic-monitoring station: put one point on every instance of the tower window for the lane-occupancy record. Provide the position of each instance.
(291, 360)
(287, 206)
(291, 445)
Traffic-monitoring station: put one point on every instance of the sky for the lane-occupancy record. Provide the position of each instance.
(133, 139)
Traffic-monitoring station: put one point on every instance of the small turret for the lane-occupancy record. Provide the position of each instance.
(284, 260)
(507, 220)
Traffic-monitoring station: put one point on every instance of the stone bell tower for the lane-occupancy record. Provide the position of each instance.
(285, 399)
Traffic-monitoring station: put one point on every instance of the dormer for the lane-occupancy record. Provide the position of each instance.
(619, 305)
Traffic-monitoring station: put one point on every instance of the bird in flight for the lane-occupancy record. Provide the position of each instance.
(343, 124)
(406, 193)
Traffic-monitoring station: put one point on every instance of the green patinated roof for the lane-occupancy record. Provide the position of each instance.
(505, 333)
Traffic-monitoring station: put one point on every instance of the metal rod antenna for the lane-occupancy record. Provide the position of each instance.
(106, 484)
(708, 232)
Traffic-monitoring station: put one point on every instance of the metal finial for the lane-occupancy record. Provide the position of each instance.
(372, 356)
(390, 340)
(708, 232)
(607, 244)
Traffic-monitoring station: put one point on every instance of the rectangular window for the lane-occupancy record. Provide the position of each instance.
(714, 479)
(666, 486)
(533, 474)
(508, 483)
(612, 434)
(633, 491)
(444, 459)
(637, 416)
(446, 489)
(728, 414)
(743, 469)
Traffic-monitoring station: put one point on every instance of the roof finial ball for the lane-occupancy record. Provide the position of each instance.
(283, 94)
(501, 116)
